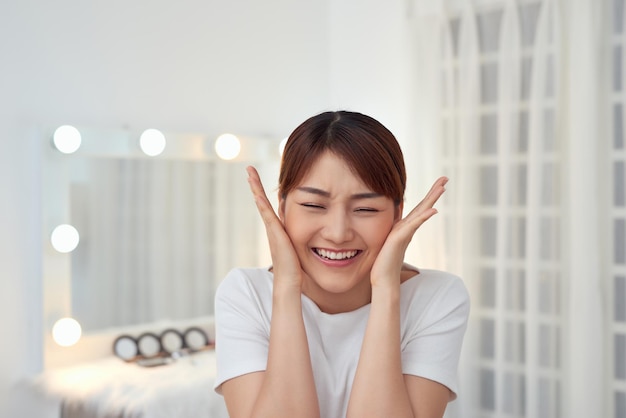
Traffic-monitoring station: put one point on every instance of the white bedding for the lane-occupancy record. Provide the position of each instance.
(112, 388)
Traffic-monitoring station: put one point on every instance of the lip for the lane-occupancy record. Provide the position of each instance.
(337, 263)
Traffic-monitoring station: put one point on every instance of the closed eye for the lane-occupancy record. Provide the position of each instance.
(366, 210)
(312, 205)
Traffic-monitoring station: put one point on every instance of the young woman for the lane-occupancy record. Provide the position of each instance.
(339, 326)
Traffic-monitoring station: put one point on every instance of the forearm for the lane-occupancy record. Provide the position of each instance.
(288, 388)
(379, 389)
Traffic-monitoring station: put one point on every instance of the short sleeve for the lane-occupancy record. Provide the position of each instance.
(242, 318)
(432, 346)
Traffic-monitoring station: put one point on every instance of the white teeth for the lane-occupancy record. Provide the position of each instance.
(336, 256)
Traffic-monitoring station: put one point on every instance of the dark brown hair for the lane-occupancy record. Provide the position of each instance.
(369, 149)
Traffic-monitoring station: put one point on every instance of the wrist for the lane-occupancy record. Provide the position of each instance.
(284, 293)
(386, 292)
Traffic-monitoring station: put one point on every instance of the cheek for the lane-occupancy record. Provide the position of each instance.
(297, 230)
(377, 234)
(379, 239)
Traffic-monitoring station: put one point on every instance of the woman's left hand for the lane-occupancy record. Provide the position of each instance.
(388, 265)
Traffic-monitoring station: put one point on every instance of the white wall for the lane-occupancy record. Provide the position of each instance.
(186, 65)
(196, 66)
(370, 56)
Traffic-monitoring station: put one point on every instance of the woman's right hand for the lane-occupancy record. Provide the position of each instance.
(285, 263)
(289, 374)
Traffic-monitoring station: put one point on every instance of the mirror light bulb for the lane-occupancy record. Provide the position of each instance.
(227, 146)
(152, 142)
(66, 332)
(66, 139)
(64, 238)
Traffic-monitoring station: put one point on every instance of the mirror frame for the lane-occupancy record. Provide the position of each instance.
(121, 143)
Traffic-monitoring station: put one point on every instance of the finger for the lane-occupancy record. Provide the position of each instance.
(260, 197)
(435, 192)
(425, 209)
(254, 180)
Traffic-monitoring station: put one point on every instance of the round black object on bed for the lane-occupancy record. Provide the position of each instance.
(195, 338)
(149, 345)
(125, 347)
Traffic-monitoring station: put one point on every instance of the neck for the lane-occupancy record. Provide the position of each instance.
(334, 303)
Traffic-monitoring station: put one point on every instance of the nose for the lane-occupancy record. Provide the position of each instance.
(337, 227)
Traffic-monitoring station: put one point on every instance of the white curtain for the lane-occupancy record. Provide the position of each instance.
(157, 236)
(530, 131)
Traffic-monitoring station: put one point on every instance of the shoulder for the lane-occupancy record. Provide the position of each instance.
(250, 281)
(239, 276)
(434, 281)
(435, 290)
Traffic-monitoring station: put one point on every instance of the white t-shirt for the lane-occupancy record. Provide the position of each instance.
(434, 307)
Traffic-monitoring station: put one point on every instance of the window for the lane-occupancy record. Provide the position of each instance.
(617, 204)
(509, 140)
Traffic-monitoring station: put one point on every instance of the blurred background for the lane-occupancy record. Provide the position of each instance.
(519, 102)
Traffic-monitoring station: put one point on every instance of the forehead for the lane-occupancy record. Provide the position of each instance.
(332, 171)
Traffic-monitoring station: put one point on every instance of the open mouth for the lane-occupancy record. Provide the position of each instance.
(336, 255)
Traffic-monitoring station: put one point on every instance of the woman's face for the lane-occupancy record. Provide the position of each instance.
(337, 225)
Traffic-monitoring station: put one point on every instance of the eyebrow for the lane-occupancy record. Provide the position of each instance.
(324, 193)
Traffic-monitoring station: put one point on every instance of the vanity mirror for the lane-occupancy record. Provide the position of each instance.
(155, 233)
